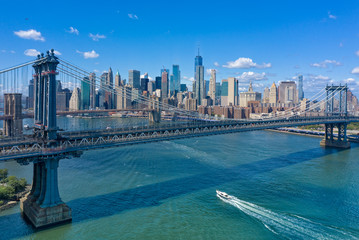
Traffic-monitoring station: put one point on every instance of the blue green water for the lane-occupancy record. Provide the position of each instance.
(285, 186)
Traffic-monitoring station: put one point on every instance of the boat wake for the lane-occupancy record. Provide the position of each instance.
(288, 226)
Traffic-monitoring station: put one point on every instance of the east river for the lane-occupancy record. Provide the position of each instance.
(283, 186)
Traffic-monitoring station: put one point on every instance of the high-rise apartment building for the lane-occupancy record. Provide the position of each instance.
(224, 92)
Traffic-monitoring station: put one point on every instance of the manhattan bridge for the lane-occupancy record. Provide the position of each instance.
(48, 144)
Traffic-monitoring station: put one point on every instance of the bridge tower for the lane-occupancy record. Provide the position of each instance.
(336, 107)
(43, 205)
(13, 108)
(154, 115)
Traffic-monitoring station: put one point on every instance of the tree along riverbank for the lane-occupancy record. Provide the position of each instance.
(11, 189)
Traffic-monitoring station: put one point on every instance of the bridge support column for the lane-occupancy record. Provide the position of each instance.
(13, 108)
(338, 142)
(154, 116)
(43, 205)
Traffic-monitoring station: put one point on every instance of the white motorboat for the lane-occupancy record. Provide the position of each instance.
(222, 195)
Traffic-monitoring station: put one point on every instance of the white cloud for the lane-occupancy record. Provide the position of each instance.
(90, 54)
(30, 34)
(246, 63)
(357, 53)
(216, 64)
(331, 16)
(12, 51)
(73, 30)
(96, 37)
(349, 80)
(326, 63)
(3, 51)
(31, 52)
(355, 70)
(252, 76)
(132, 16)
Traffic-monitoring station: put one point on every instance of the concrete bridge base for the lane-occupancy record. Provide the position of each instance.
(43, 205)
(339, 141)
(42, 217)
(334, 144)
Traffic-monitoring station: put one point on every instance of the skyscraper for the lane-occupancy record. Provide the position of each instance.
(300, 88)
(85, 93)
(288, 93)
(109, 80)
(30, 100)
(200, 87)
(273, 95)
(92, 90)
(144, 82)
(224, 92)
(212, 85)
(176, 77)
(134, 78)
(117, 79)
(232, 91)
(164, 84)
(75, 101)
(200, 90)
(158, 82)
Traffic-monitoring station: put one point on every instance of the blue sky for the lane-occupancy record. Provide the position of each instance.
(262, 41)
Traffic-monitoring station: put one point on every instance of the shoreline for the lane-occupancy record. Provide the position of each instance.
(12, 203)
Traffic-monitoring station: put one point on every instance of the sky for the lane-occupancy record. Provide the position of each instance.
(259, 41)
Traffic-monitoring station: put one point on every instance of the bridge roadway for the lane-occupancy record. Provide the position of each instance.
(26, 149)
(78, 112)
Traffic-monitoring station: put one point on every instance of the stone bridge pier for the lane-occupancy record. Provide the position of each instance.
(13, 108)
(154, 115)
(43, 205)
(339, 141)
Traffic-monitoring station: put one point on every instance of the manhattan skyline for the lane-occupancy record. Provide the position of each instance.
(264, 43)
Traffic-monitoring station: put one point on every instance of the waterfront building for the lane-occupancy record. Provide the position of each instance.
(304, 104)
(85, 93)
(75, 100)
(134, 78)
(245, 97)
